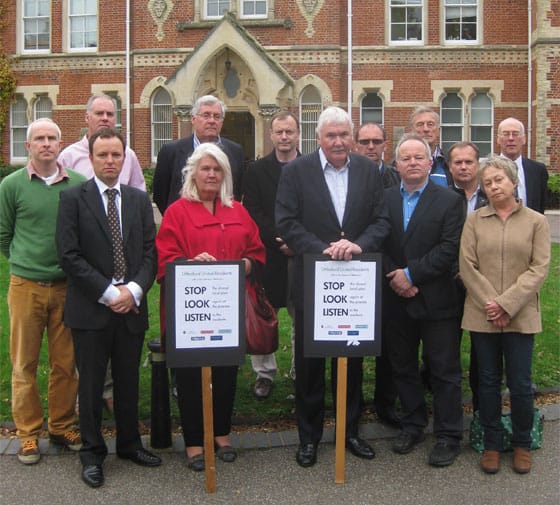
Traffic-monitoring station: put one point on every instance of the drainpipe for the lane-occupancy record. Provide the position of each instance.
(349, 19)
(127, 76)
(530, 77)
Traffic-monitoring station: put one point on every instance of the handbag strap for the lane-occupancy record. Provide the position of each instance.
(256, 274)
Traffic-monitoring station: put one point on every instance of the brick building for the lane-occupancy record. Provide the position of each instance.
(476, 61)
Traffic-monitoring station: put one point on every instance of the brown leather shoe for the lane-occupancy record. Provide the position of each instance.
(521, 460)
(490, 462)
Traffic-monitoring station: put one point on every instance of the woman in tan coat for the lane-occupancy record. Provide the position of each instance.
(504, 258)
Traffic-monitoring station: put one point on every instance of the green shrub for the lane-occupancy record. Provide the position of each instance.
(553, 197)
(7, 170)
(149, 178)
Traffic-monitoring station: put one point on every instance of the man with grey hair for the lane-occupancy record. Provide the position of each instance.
(421, 301)
(424, 122)
(208, 115)
(37, 292)
(328, 202)
(532, 175)
(101, 113)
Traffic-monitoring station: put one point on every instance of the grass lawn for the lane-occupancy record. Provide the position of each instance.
(280, 406)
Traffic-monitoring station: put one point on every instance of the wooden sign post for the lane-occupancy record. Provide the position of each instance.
(205, 327)
(340, 443)
(342, 319)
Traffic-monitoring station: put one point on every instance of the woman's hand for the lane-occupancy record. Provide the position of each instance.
(502, 321)
(494, 311)
(204, 256)
(248, 266)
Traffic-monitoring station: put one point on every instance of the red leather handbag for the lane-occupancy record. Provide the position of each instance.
(261, 322)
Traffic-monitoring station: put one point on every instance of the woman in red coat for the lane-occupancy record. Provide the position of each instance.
(206, 224)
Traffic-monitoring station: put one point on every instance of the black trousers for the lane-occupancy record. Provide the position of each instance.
(441, 350)
(189, 397)
(310, 391)
(385, 394)
(93, 349)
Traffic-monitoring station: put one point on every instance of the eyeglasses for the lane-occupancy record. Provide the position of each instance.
(206, 116)
(366, 142)
(506, 135)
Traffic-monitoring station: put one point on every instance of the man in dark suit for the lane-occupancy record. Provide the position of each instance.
(328, 202)
(532, 175)
(105, 245)
(421, 301)
(259, 196)
(370, 140)
(208, 115)
(463, 166)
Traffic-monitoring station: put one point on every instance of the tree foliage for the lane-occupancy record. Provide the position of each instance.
(7, 81)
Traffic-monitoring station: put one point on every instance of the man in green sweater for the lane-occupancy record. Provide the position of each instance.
(37, 291)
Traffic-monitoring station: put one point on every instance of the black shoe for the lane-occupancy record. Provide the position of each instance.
(196, 463)
(226, 453)
(306, 455)
(405, 442)
(388, 416)
(444, 453)
(360, 448)
(263, 387)
(92, 475)
(142, 457)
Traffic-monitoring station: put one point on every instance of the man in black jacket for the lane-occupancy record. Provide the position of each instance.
(105, 239)
(421, 302)
(208, 115)
(259, 196)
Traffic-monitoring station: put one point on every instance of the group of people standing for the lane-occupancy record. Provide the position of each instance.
(99, 254)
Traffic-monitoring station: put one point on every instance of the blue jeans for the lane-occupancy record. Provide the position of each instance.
(517, 351)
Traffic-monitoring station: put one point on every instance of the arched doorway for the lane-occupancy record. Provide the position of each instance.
(239, 126)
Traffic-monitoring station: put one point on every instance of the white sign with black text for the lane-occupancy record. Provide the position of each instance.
(206, 306)
(345, 301)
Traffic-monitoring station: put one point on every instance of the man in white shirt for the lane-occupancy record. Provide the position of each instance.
(532, 175)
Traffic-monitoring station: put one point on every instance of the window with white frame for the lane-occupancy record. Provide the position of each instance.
(18, 129)
(475, 125)
(310, 108)
(215, 8)
(406, 21)
(461, 18)
(371, 109)
(253, 8)
(36, 25)
(161, 120)
(118, 108)
(42, 107)
(451, 113)
(82, 25)
(481, 121)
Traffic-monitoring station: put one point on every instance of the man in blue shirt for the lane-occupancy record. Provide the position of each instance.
(421, 301)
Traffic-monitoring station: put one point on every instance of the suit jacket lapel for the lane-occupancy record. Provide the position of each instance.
(354, 188)
(421, 208)
(319, 175)
(93, 200)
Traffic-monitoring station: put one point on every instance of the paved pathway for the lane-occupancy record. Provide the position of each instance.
(266, 473)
